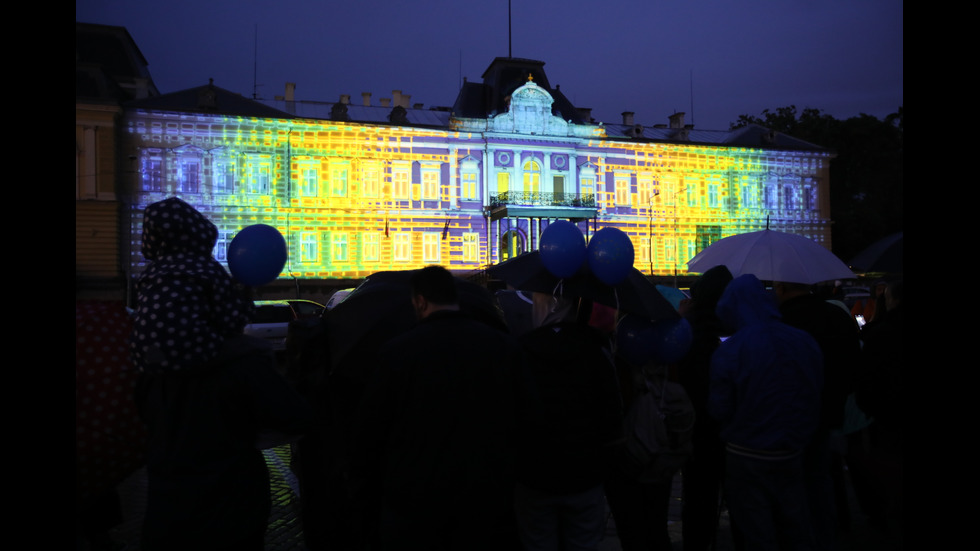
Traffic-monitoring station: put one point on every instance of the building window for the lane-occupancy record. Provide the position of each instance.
(771, 195)
(403, 247)
(223, 175)
(430, 247)
(471, 247)
(221, 246)
(189, 174)
(370, 179)
(309, 179)
(309, 250)
(532, 176)
(669, 249)
(670, 190)
(750, 198)
(430, 183)
(789, 197)
(586, 183)
(511, 245)
(259, 175)
(338, 180)
(644, 189)
(622, 189)
(558, 188)
(712, 195)
(371, 246)
(152, 173)
(400, 175)
(338, 247)
(810, 198)
(467, 177)
(645, 250)
(503, 182)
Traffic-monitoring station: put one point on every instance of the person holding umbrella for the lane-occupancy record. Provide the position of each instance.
(570, 424)
(433, 437)
(839, 338)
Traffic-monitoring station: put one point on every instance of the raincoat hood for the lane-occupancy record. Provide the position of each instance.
(187, 303)
(746, 302)
(172, 227)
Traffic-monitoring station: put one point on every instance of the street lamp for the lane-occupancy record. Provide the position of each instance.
(656, 193)
(676, 238)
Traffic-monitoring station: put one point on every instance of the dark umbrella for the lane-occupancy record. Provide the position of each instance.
(884, 255)
(636, 294)
(381, 308)
(517, 309)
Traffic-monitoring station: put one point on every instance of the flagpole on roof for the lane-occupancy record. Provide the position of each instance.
(509, 51)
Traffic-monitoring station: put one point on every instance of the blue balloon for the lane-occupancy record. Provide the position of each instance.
(674, 338)
(257, 255)
(610, 255)
(562, 248)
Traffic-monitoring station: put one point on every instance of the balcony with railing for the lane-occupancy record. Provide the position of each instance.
(541, 204)
(542, 198)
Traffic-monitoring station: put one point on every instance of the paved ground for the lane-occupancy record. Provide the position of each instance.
(285, 532)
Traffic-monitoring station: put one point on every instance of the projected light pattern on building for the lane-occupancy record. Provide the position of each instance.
(353, 198)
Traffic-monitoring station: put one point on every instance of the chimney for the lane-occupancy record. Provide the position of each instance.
(585, 113)
(406, 99)
(628, 118)
(385, 102)
(290, 91)
(676, 120)
(366, 98)
(396, 97)
(417, 106)
(345, 99)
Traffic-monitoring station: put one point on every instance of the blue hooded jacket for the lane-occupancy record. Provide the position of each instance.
(766, 378)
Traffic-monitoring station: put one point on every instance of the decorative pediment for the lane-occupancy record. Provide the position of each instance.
(529, 112)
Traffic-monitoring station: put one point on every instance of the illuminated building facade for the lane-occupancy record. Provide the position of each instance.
(357, 189)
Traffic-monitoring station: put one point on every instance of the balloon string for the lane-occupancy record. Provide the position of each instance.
(559, 288)
(616, 295)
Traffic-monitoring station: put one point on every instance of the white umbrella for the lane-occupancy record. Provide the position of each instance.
(772, 256)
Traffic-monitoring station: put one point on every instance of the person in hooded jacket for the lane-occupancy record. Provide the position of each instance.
(211, 398)
(765, 392)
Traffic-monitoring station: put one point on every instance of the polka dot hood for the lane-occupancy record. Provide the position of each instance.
(187, 303)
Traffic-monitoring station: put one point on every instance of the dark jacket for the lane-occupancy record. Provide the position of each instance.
(435, 426)
(208, 482)
(880, 391)
(571, 409)
(766, 378)
(840, 342)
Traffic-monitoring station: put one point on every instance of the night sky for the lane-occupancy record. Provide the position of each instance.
(713, 59)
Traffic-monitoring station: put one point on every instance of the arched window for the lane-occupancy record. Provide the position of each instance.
(511, 244)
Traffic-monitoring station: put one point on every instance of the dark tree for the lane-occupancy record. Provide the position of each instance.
(866, 196)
